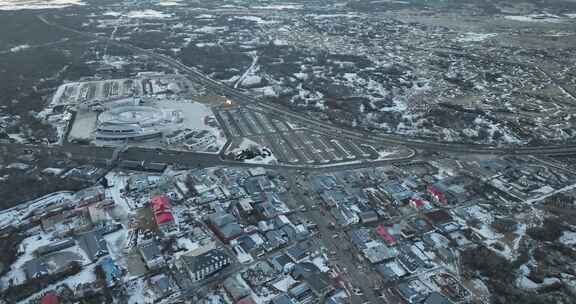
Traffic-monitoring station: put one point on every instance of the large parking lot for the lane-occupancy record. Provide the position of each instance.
(291, 144)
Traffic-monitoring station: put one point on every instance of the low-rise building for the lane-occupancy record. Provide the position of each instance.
(379, 253)
(385, 233)
(318, 282)
(112, 272)
(437, 195)
(419, 203)
(160, 286)
(163, 214)
(55, 246)
(201, 266)
(151, 255)
(225, 226)
(93, 244)
(367, 217)
(35, 268)
(236, 288)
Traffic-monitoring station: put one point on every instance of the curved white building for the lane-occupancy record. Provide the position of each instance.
(134, 122)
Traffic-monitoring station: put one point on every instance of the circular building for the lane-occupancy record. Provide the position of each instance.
(133, 122)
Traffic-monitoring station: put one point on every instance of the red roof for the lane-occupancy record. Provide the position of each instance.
(50, 298)
(246, 300)
(384, 234)
(418, 202)
(160, 203)
(164, 217)
(439, 195)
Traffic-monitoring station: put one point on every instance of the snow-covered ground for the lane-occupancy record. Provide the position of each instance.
(147, 14)
(568, 238)
(321, 263)
(136, 290)
(285, 283)
(475, 37)
(118, 183)
(545, 17)
(28, 246)
(250, 144)
(169, 2)
(87, 275)
(8, 217)
(116, 241)
(549, 194)
(279, 7)
(19, 48)
(210, 29)
(256, 19)
(16, 214)
(524, 282)
(195, 113)
(195, 117)
(12, 5)
(187, 244)
(262, 160)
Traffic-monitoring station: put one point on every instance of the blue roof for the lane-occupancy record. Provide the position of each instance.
(323, 182)
(282, 299)
(111, 270)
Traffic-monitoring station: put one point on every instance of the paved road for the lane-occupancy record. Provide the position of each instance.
(325, 127)
(353, 274)
(102, 155)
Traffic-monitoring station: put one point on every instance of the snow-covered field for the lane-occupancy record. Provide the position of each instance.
(250, 144)
(169, 3)
(12, 5)
(16, 214)
(475, 37)
(256, 19)
(140, 14)
(279, 7)
(195, 117)
(19, 48)
(147, 14)
(568, 238)
(28, 246)
(551, 18)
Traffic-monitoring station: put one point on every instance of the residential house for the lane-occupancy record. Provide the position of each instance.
(151, 255)
(319, 282)
(236, 288)
(409, 294)
(420, 204)
(369, 216)
(93, 244)
(302, 293)
(437, 195)
(162, 209)
(112, 272)
(379, 253)
(201, 266)
(55, 246)
(50, 298)
(246, 300)
(385, 233)
(35, 268)
(89, 195)
(391, 271)
(283, 299)
(297, 252)
(160, 286)
(225, 226)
